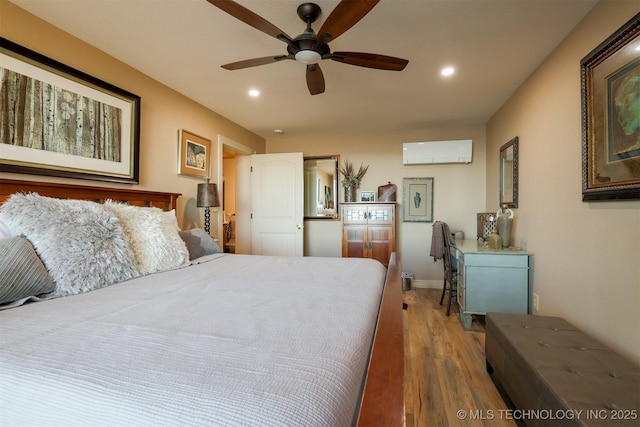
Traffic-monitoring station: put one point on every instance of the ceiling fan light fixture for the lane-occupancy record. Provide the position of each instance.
(308, 57)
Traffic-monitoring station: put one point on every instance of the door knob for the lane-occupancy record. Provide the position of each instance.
(299, 226)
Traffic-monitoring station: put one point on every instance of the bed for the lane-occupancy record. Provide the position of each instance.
(218, 339)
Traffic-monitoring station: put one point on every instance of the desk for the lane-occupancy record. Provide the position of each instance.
(491, 280)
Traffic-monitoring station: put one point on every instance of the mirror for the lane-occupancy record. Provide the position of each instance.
(321, 187)
(509, 174)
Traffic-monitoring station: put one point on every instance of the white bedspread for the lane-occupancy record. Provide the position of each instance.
(235, 340)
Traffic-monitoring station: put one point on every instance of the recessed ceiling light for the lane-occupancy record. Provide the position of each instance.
(254, 93)
(278, 131)
(448, 71)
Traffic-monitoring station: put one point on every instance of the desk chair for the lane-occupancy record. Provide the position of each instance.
(450, 273)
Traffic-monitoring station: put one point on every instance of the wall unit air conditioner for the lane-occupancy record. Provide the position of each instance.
(417, 153)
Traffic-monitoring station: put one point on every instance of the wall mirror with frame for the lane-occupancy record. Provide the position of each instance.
(321, 187)
(509, 174)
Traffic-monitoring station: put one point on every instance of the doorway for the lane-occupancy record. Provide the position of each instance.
(227, 154)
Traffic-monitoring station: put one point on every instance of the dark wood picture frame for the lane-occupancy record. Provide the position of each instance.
(610, 78)
(194, 155)
(63, 122)
(509, 173)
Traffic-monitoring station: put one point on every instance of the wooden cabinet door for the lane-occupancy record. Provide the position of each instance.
(355, 214)
(354, 241)
(380, 214)
(380, 242)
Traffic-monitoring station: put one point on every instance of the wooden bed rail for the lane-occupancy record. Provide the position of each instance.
(383, 398)
(164, 201)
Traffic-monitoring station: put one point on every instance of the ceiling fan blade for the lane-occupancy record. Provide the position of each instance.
(345, 15)
(251, 18)
(315, 79)
(255, 62)
(370, 60)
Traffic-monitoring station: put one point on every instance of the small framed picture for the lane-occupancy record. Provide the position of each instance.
(417, 203)
(193, 154)
(367, 196)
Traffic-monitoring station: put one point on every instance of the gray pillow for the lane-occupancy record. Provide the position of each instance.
(81, 243)
(22, 274)
(199, 243)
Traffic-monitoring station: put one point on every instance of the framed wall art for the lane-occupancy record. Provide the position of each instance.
(194, 154)
(610, 78)
(417, 202)
(367, 196)
(509, 174)
(58, 121)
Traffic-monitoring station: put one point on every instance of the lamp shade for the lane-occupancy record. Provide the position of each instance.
(208, 195)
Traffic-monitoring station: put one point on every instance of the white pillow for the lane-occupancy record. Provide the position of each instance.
(153, 237)
(81, 243)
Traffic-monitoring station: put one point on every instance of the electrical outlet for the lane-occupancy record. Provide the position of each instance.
(536, 307)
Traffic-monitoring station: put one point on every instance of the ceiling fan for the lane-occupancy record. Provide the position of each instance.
(309, 48)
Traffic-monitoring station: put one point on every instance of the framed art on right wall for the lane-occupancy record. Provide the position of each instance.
(610, 77)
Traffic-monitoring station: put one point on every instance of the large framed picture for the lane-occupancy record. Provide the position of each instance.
(417, 203)
(58, 121)
(193, 155)
(610, 77)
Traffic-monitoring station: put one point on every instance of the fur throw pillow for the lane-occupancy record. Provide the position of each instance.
(81, 243)
(153, 237)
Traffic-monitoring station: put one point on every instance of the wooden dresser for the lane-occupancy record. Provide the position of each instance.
(368, 230)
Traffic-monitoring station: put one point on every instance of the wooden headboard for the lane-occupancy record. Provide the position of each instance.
(164, 201)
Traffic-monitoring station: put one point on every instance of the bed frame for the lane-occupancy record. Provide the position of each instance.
(383, 396)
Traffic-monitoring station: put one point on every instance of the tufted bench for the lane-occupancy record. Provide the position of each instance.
(556, 375)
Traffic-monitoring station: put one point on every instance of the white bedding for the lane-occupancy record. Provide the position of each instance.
(234, 340)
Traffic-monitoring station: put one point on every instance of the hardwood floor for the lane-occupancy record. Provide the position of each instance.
(446, 383)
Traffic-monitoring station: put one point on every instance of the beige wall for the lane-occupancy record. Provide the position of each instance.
(163, 110)
(458, 188)
(587, 255)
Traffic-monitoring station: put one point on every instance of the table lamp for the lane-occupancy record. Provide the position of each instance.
(207, 198)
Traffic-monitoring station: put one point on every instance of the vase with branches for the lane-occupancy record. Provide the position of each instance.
(352, 179)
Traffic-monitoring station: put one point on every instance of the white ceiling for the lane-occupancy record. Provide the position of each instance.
(494, 45)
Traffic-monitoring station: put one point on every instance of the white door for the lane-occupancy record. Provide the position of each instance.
(277, 204)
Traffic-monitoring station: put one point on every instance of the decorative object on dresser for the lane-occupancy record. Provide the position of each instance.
(610, 77)
(207, 198)
(417, 203)
(368, 230)
(509, 174)
(352, 180)
(193, 155)
(491, 280)
(367, 196)
(495, 241)
(91, 131)
(505, 225)
(486, 225)
(387, 192)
